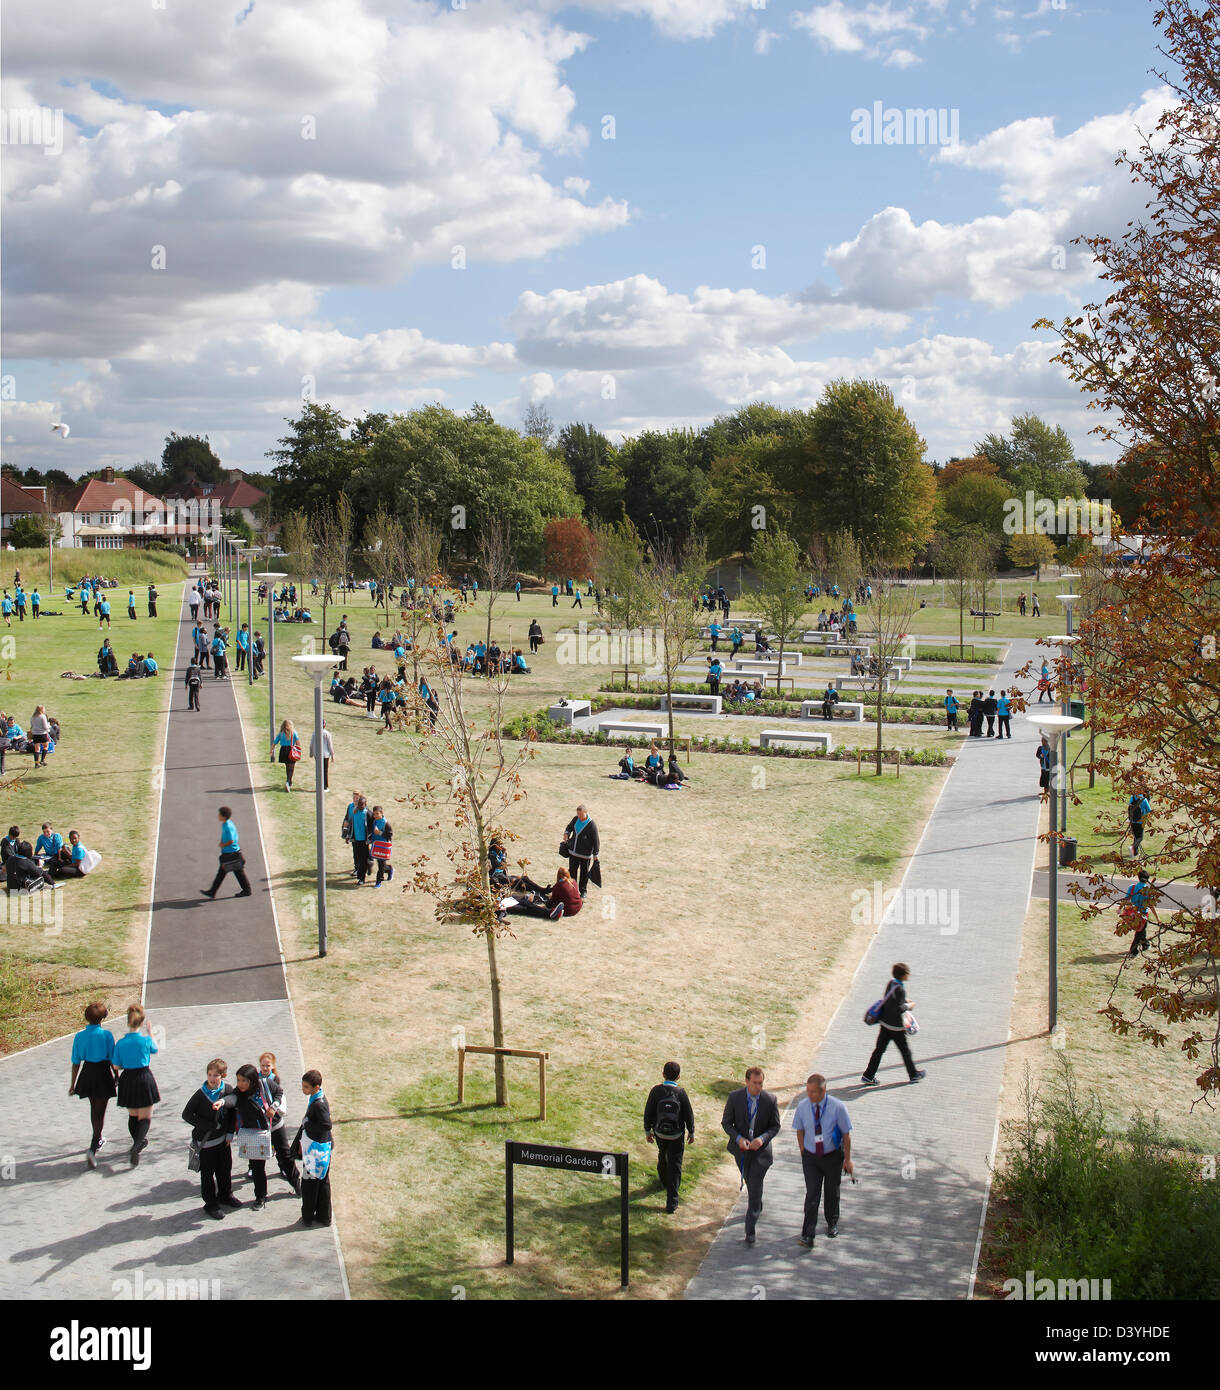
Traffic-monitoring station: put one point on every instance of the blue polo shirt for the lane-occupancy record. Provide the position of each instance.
(228, 838)
(150, 666)
(93, 1044)
(243, 639)
(133, 1050)
(835, 1123)
(105, 608)
(49, 844)
(78, 852)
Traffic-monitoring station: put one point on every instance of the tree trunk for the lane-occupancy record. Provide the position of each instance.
(880, 712)
(497, 1018)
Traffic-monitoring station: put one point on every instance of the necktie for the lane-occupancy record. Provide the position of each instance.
(817, 1129)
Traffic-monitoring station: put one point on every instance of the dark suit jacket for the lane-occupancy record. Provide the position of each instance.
(736, 1123)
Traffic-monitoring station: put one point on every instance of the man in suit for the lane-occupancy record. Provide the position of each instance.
(751, 1120)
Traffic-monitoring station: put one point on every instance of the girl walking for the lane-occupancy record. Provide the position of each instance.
(93, 1072)
(137, 1086)
(381, 845)
(290, 751)
(356, 824)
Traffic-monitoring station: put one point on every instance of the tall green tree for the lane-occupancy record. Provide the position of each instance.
(744, 496)
(623, 580)
(315, 460)
(1035, 457)
(187, 454)
(585, 450)
(664, 484)
(874, 478)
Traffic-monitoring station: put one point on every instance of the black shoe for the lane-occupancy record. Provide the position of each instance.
(247, 893)
(229, 1201)
(206, 894)
(806, 1241)
(750, 1239)
(306, 1223)
(670, 1208)
(832, 1228)
(214, 1212)
(259, 1203)
(918, 1076)
(134, 1156)
(869, 1081)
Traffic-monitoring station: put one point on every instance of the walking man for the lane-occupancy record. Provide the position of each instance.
(751, 1121)
(1134, 909)
(328, 752)
(951, 708)
(823, 1136)
(232, 861)
(1045, 761)
(669, 1122)
(892, 1028)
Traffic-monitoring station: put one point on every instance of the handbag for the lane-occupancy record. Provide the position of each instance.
(193, 1163)
(254, 1144)
(294, 750)
(380, 849)
(315, 1158)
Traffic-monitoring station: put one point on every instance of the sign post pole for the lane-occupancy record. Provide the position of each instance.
(508, 1201)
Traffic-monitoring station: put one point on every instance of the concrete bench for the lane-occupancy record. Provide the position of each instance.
(708, 702)
(770, 736)
(760, 668)
(573, 710)
(625, 726)
(812, 709)
(841, 648)
(862, 683)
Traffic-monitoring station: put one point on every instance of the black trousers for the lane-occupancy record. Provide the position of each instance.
(990, 725)
(360, 858)
(950, 720)
(283, 1159)
(579, 869)
(215, 1173)
(315, 1199)
(192, 692)
(1005, 725)
(240, 662)
(1137, 839)
(385, 870)
(755, 1175)
(258, 1171)
(152, 610)
(670, 1153)
(823, 1173)
(234, 867)
(885, 1036)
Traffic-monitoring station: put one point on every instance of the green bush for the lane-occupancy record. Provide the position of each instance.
(1076, 1201)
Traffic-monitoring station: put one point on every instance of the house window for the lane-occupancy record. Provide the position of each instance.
(107, 518)
(108, 542)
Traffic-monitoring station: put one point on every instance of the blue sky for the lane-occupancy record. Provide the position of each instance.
(293, 264)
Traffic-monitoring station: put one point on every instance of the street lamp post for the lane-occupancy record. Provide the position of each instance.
(269, 577)
(317, 666)
(1056, 726)
(1066, 642)
(250, 554)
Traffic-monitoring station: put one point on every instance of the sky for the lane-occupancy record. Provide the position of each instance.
(638, 213)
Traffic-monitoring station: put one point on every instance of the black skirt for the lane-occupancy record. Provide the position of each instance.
(138, 1088)
(95, 1079)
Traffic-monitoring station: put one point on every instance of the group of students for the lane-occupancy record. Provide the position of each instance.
(371, 837)
(139, 664)
(991, 708)
(31, 867)
(251, 1113)
(204, 600)
(580, 846)
(42, 738)
(16, 602)
(653, 770)
(712, 601)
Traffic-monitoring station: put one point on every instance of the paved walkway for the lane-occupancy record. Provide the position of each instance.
(910, 1227)
(215, 987)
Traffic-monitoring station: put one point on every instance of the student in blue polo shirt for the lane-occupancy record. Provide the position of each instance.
(714, 671)
(49, 843)
(103, 614)
(714, 632)
(232, 860)
(150, 666)
(1003, 709)
(35, 600)
(243, 646)
(19, 602)
(517, 590)
(131, 604)
(93, 1072)
(138, 1091)
(823, 1136)
(951, 708)
(219, 662)
(554, 595)
(86, 597)
(6, 607)
(1133, 910)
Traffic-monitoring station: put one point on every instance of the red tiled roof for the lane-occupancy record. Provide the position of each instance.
(15, 499)
(97, 496)
(231, 496)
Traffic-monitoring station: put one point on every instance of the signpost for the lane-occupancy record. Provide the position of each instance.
(607, 1165)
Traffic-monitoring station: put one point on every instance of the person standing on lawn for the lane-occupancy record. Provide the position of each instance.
(582, 846)
(1134, 909)
(669, 1122)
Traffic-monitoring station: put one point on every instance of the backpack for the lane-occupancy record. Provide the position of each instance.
(872, 1015)
(668, 1124)
(193, 677)
(1135, 810)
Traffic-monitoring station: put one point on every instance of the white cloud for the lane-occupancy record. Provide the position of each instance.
(1058, 187)
(872, 30)
(323, 145)
(763, 40)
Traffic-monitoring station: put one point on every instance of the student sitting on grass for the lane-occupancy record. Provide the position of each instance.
(562, 899)
(150, 665)
(626, 768)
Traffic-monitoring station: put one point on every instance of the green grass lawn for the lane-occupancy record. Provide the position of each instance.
(672, 958)
(102, 781)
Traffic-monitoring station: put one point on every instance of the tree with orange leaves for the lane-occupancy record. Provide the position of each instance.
(1148, 357)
